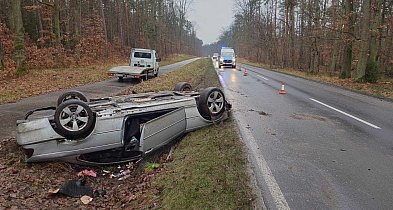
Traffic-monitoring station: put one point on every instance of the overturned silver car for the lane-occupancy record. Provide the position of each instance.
(117, 129)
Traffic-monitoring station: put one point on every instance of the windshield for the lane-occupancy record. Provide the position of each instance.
(227, 54)
(142, 55)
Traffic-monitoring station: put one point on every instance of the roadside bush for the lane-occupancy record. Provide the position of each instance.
(372, 73)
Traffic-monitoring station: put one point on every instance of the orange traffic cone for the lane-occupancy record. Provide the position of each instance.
(282, 91)
(245, 72)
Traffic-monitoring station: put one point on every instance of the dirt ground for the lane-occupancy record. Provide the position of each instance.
(27, 186)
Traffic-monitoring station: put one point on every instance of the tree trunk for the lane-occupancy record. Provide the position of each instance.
(40, 27)
(2, 54)
(364, 45)
(19, 42)
(372, 70)
(348, 40)
(76, 16)
(335, 46)
(56, 22)
(76, 23)
(101, 8)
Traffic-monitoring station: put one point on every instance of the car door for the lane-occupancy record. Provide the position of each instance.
(163, 129)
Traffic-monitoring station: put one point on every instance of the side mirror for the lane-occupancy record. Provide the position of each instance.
(158, 59)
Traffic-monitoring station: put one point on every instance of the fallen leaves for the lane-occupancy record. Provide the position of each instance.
(37, 186)
(49, 80)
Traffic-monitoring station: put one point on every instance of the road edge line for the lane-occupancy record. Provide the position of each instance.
(271, 183)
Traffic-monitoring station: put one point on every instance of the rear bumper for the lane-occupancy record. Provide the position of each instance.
(124, 75)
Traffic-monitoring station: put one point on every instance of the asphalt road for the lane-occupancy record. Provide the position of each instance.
(11, 112)
(317, 146)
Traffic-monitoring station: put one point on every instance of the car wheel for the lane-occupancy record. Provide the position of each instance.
(74, 119)
(182, 86)
(71, 95)
(156, 74)
(211, 103)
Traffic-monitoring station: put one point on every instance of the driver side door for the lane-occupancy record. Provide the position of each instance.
(163, 129)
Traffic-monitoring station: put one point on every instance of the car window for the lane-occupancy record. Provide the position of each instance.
(227, 54)
(142, 55)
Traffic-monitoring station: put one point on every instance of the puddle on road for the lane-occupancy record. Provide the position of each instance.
(305, 116)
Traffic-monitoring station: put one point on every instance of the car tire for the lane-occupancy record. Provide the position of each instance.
(74, 119)
(211, 103)
(156, 74)
(73, 94)
(183, 86)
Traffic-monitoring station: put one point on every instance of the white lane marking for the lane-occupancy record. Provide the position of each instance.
(274, 189)
(346, 114)
(263, 77)
(221, 79)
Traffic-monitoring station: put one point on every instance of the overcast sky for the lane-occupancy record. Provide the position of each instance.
(210, 17)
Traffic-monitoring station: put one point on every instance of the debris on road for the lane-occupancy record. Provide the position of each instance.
(149, 167)
(53, 191)
(86, 199)
(169, 157)
(263, 113)
(87, 173)
(121, 174)
(259, 112)
(76, 189)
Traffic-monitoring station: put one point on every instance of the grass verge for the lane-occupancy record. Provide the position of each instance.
(383, 88)
(207, 169)
(208, 172)
(40, 81)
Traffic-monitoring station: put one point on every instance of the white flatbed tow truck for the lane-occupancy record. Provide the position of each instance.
(142, 64)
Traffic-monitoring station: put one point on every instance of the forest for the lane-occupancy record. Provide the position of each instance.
(343, 38)
(37, 34)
